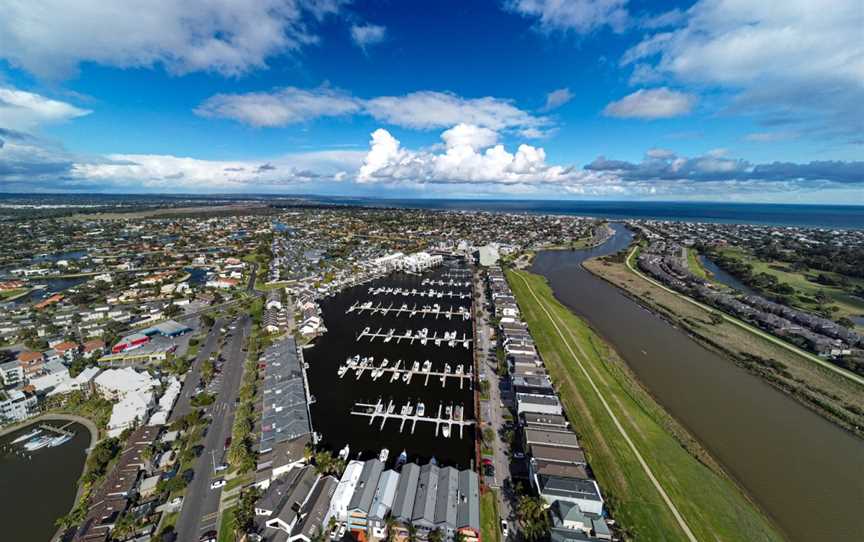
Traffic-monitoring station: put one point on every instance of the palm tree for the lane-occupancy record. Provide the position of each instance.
(436, 536)
(412, 533)
(390, 525)
(533, 519)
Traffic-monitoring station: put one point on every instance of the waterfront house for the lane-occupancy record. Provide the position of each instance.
(312, 515)
(382, 503)
(361, 501)
(406, 493)
(345, 491)
(585, 493)
(423, 516)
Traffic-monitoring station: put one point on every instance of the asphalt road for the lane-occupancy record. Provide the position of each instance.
(211, 344)
(200, 510)
(500, 460)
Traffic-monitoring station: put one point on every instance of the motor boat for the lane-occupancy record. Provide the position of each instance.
(343, 453)
(427, 366)
(402, 459)
(421, 409)
(385, 453)
(27, 436)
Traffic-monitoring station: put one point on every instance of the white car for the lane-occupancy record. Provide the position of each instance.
(505, 530)
(342, 529)
(216, 484)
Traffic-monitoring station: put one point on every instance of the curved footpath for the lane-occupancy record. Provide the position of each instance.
(743, 325)
(656, 483)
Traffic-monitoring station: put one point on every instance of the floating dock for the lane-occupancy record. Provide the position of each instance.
(405, 371)
(425, 311)
(452, 283)
(448, 339)
(430, 293)
(445, 420)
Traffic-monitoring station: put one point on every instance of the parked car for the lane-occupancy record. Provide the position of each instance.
(518, 455)
(505, 530)
(209, 536)
(216, 484)
(227, 442)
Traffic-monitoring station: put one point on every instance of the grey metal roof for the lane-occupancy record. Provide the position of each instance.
(551, 438)
(427, 491)
(468, 508)
(316, 508)
(406, 491)
(364, 491)
(284, 412)
(293, 501)
(446, 499)
(573, 488)
(385, 494)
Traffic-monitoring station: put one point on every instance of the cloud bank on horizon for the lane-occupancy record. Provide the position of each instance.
(758, 102)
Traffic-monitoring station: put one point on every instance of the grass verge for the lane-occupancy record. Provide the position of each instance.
(489, 530)
(713, 507)
(226, 525)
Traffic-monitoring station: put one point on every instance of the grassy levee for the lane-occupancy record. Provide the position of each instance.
(711, 505)
(695, 265)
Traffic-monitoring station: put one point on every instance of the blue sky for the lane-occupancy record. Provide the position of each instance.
(605, 99)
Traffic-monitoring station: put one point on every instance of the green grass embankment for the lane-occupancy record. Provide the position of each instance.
(707, 502)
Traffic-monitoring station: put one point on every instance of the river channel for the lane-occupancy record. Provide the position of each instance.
(37, 491)
(804, 471)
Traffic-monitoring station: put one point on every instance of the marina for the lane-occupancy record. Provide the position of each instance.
(423, 311)
(444, 420)
(449, 338)
(371, 353)
(405, 371)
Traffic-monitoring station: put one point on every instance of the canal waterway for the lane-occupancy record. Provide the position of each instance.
(807, 473)
(722, 276)
(336, 396)
(37, 491)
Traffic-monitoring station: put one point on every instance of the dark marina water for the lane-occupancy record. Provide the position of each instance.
(35, 492)
(197, 275)
(804, 471)
(57, 256)
(335, 397)
(722, 276)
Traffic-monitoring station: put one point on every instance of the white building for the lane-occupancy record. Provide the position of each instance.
(16, 406)
(344, 491)
(133, 392)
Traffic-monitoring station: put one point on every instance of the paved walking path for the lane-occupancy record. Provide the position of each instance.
(672, 508)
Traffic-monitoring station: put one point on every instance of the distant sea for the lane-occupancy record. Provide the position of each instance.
(812, 216)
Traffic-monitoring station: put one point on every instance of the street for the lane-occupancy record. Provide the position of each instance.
(193, 376)
(487, 344)
(200, 510)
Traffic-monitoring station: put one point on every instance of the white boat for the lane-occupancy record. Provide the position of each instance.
(416, 366)
(366, 330)
(448, 411)
(385, 363)
(402, 459)
(457, 413)
(62, 439)
(445, 430)
(37, 444)
(342, 370)
(343, 453)
(421, 409)
(427, 366)
(27, 436)
(391, 408)
(385, 453)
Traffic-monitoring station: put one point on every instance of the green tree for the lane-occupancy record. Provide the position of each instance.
(435, 536)
(532, 516)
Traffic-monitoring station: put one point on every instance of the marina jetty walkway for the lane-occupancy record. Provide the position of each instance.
(431, 293)
(401, 371)
(448, 339)
(424, 311)
(446, 418)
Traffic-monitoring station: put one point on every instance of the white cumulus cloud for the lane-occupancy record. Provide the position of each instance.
(285, 106)
(580, 16)
(421, 110)
(795, 61)
(51, 38)
(21, 110)
(470, 156)
(365, 35)
(658, 103)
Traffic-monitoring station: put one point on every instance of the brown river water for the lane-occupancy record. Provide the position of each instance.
(807, 473)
